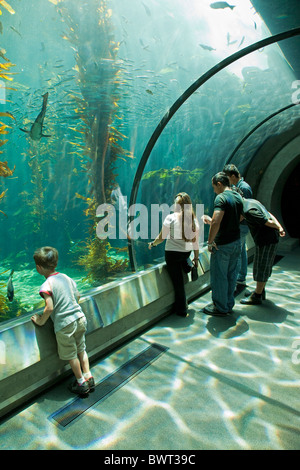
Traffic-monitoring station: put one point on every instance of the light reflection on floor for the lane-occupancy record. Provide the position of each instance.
(224, 383)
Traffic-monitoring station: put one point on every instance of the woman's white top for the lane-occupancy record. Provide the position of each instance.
(172, 231)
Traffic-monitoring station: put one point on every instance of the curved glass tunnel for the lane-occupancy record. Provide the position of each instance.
(112, 69)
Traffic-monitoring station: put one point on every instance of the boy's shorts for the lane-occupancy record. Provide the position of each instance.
(71, 339)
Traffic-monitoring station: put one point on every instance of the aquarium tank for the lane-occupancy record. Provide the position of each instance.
(83, 87)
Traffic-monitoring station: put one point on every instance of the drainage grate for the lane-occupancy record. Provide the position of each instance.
(110, 384)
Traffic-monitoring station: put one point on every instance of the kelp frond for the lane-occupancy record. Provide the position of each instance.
(7, 6)
(3, 308)
(4, 71)
(97, 261)
(5, 171)
(7, 114)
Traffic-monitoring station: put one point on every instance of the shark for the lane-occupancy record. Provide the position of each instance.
(36, 131)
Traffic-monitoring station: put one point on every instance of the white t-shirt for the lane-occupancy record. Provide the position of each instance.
(63, 291)
(174, 241)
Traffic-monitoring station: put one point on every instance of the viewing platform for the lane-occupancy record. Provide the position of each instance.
(192, 383)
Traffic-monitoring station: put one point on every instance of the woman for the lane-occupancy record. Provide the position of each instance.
(181, 232)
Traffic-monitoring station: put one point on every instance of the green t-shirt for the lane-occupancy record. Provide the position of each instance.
(232, 204)
(256, 216)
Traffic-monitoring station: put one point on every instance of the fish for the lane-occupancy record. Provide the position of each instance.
(166, 70)
(221, 5)
(207, 48)
(147, 9)
(242, 40)
(10, 287)
(244, 106)
(16, 31)
(36, 131)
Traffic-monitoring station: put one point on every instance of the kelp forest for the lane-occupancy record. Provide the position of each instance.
(45, 212)
(6, 77)
(99, 78)
(84, 86)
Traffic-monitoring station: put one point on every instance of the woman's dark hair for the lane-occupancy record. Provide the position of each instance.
(222, 178)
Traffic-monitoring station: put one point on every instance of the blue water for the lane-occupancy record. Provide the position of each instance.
(112, 70)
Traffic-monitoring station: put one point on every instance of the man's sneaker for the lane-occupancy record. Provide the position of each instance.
(81, 390)
(263, 294)
(239, 288)
(253, 299)
(91, 384)
(211, 309)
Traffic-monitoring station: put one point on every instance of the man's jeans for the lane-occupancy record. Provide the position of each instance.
(224, 269)
(244, 258)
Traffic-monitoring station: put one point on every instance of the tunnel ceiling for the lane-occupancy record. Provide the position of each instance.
(280, 16)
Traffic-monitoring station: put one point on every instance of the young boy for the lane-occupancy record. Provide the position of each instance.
(61, 303)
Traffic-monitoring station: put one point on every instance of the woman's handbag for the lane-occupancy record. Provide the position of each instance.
(187, 265)
(194, 273)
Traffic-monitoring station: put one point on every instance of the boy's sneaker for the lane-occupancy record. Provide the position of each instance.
(81, 390)
(91, 384)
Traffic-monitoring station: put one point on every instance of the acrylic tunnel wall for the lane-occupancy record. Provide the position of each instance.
(83, 87)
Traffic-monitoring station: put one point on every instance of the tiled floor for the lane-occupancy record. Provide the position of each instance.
(218, 383)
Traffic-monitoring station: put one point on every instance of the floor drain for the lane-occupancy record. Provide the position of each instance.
(110, 384)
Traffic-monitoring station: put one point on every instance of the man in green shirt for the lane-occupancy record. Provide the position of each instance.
(237, 181)
(224, 244)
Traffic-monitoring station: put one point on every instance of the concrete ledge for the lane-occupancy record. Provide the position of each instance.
(115, 312)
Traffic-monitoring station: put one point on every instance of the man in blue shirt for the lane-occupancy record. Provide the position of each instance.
(238, 182)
